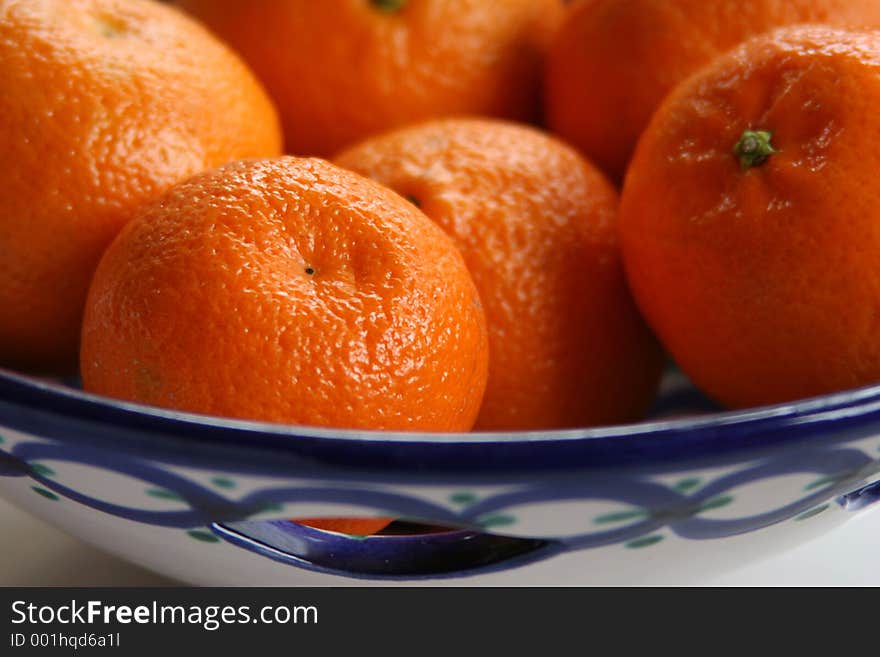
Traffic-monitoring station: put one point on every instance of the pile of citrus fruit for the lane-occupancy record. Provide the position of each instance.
(440, 215)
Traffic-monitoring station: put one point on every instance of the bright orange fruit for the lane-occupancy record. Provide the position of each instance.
(341, 70)
(750, 218)
(352, 526)
(536, 224)
(613, 61)
(104, 104)
(288, 290)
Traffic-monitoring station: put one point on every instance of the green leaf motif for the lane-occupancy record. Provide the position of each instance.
(463, 498)
(647, 541)
(42, 470)
(687, 484)
(806, 515)
(203, 536)
(223, 482)
(822, 482)
(49, 495)
(716, 503)
(162, 494)
(496, 521)
(620, 516)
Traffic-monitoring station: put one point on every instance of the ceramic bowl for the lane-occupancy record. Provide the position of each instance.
(676, 500)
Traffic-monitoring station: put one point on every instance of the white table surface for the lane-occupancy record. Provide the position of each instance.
(35, 554)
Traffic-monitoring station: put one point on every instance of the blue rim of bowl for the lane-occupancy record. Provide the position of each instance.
(66, 414)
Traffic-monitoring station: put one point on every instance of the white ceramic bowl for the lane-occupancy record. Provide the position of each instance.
(209, 501)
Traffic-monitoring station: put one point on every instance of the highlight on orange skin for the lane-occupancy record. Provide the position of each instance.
(612, 62)
(536, 225)
(343, 70)
(748, 219)
(105, 104)
(288, 290)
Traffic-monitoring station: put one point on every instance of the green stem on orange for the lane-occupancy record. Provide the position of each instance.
(389, 6)
(754, 148)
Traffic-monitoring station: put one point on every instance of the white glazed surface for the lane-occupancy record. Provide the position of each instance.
(37, 554)
(173, 553)
(667, 558)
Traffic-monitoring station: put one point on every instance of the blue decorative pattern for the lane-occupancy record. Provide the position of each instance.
(656, 494)
(662, 507)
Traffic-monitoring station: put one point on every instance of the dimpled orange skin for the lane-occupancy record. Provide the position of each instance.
(537, 227)
(764, 283)
(288, 290)
(105, 104)
(613, 61)
(342, 70)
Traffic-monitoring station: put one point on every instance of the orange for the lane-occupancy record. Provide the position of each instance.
(288, 290)
(613, 61)
(536, 225)
(105, 103)
(352, 526)
(342, 70)
(750, 218)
